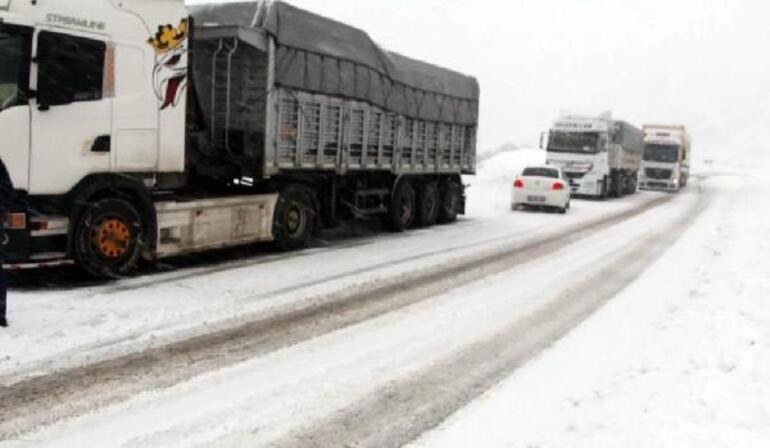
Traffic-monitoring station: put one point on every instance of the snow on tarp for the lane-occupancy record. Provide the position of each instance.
(320, 55)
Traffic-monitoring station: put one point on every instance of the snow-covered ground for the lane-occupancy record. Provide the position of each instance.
(679, 359)
(273, 397)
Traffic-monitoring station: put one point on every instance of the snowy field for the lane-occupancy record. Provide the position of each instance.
(633, 322)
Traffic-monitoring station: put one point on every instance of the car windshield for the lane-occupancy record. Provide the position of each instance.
(541, 172)
(13, 56)
(574, 142)
(661, 153)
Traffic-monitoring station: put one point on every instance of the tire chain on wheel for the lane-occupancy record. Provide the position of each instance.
(85, 253)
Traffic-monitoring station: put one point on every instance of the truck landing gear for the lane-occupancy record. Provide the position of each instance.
(108, 239)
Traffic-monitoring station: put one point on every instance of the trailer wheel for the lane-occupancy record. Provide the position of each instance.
(295, 218)
(429, 204)
(450, 203)
(403, 207)
(109, 239)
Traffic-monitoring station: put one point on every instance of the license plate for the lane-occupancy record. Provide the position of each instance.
(535, 198)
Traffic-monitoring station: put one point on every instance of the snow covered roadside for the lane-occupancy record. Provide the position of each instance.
(489, 193)
(681, 358)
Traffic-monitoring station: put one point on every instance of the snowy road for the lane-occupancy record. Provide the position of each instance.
(381, 339)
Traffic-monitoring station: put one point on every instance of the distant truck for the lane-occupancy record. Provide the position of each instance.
(600, 156)
(667, 156)
(142, 129)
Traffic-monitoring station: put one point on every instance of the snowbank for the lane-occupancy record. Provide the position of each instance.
(490, 190)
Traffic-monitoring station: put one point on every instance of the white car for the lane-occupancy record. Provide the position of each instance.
(542, 187)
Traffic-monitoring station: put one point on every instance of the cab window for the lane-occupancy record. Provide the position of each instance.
(15, 44)
(70, 69)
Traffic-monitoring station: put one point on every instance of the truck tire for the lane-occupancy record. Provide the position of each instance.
(294, 220)
(618, 185)
(429, 204)
(605, 188)
(450, 203)
(631, 185)
(403, 207)
(109, 238)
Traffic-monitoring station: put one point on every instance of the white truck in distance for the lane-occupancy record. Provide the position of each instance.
(141, 129)
(667, 155)
(600, 156)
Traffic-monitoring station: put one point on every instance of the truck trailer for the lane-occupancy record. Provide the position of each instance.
(140, 129)
(667, 155)
(600, 156)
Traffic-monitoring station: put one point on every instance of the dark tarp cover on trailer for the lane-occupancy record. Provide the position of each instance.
(320, 55)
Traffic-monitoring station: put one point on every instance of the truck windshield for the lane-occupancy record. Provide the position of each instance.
(574, 142)
(14, 59)
(661, 153)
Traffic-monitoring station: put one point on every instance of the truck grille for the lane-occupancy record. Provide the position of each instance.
(575, 176)
(574, 179)
(658, 173)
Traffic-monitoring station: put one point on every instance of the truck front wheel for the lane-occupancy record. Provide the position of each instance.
(618, 185)
(295, 218)
(108, 239)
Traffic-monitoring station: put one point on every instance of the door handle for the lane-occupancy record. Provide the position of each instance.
(103, 143)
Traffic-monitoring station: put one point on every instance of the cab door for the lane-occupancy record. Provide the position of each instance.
(15, 57)
(71, 121)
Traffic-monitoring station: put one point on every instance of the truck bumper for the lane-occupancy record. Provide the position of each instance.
(588, 185)
(41, 240)
(659, 185)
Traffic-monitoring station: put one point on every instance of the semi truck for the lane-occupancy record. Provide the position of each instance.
(600, 156)
(667, 155)
(140, 129)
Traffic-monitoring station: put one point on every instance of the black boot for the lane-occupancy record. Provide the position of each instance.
(3, 323)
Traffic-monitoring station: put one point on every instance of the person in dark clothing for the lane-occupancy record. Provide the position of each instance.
(6, 193)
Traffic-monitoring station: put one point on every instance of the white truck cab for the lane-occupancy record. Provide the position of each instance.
(87, 79)
(667, 155)
(599, 155)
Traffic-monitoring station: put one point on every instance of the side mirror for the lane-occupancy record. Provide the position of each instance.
(544, 140)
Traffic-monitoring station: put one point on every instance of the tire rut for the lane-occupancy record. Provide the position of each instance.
(401, 412)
